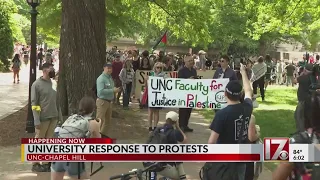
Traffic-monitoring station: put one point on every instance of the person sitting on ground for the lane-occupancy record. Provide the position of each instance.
(81, 125)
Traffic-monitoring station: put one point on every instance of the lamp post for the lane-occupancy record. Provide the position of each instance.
(33, 60)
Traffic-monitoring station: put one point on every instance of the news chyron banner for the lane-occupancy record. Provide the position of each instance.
(102, 150)
(283, 149)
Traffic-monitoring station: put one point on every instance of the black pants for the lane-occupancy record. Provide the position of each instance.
(249, 171)
(126, 94)
(259, 83)
(184, 116)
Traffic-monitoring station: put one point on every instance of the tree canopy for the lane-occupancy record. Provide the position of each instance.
(202, 23)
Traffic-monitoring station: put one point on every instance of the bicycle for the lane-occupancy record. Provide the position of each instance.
(138, 173)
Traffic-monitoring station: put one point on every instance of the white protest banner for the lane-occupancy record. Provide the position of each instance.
(140, 78)
(187, 93)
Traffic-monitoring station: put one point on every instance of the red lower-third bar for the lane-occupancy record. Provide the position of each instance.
(145, 157)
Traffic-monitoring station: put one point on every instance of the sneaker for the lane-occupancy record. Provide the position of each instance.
(187, 129)
(150, 129)
(38, 168)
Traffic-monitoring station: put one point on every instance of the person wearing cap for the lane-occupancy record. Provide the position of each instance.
(303, 92)
(44, 109)
(173, 170)
(224, 71)
(105, 95)
(187, 72)
(116, 68)
(227, 123)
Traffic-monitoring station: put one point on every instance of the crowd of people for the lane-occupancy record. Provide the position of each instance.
(233, 124)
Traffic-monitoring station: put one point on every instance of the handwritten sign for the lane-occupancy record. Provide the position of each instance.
(140, 78)
(187, 93)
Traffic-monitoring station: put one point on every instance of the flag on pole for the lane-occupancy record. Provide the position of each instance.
(161, 42)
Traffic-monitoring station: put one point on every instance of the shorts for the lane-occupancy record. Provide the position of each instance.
(72, 168)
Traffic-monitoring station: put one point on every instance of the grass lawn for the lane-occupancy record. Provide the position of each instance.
(275, 116)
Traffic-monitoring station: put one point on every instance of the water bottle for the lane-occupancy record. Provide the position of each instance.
(152, 175)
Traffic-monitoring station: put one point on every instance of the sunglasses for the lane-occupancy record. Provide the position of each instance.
(159, 67)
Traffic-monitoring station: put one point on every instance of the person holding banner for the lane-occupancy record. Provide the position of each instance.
(187, 72)
(153, 112)
(224, 71)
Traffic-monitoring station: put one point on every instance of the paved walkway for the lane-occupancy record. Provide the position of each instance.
(14, 96)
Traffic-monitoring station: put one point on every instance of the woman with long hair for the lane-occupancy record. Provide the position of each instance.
(153, 112)
(268, 62)
(73, 127)
(16, 64)
(126, 77)
(297, 171)
(145, 61)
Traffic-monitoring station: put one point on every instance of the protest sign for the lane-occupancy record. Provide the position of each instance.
(186, 93)
(140, 78)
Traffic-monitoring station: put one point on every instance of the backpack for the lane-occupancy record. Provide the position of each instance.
(159, 136)
(300, 172)
(76, 126)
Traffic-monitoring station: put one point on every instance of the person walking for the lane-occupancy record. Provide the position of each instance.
(259, 70)
(105, 96)
(290, 68)
(16, 64)
(40, 58)
(279, 70)
(44, 108)
(187, 72)
(126, 76)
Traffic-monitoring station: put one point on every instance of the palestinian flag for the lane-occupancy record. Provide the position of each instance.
(162, 42)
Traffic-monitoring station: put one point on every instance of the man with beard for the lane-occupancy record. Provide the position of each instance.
(44, 108)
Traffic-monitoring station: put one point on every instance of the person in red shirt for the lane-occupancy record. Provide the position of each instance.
(116, 68)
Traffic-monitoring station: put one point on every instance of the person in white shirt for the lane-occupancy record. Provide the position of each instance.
(279, 70)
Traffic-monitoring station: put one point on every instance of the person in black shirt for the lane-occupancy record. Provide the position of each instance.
(187, 72)
(226, 125)
(303, 92)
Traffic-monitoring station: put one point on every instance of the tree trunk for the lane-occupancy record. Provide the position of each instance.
(262, 47)
(82, 50)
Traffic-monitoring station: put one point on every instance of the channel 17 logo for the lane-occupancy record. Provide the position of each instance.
(276, 149)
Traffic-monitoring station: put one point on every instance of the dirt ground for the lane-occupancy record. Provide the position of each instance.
(130, 127)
